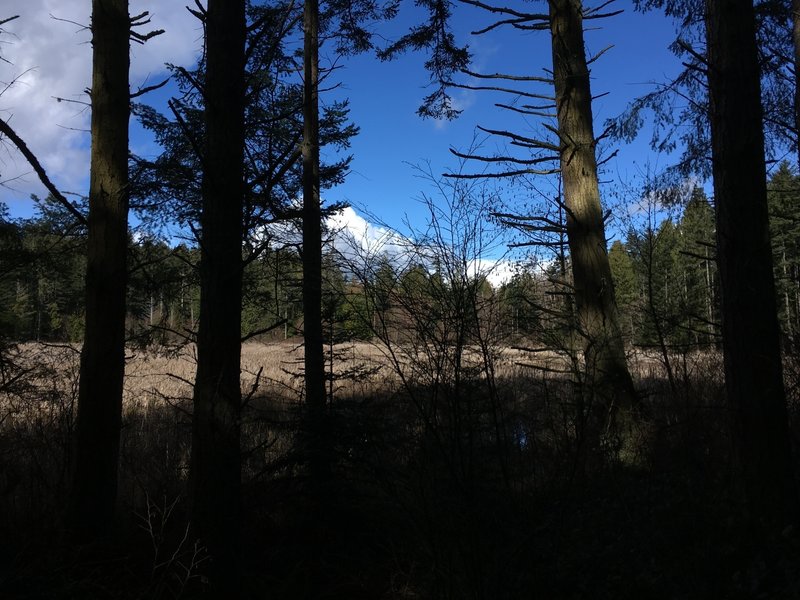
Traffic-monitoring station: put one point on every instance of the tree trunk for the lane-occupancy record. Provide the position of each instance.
(314, 356)
(215, 479)
(94, 485)
(608, 377)
(753, 371)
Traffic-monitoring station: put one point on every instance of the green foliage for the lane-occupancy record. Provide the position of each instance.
(167, 190)
(518, 308)
(626, 287)
(41, 278)
(665, 280)
(271, 294)
(678, 109)
(446, 56)
(163, 292)
(783, 197)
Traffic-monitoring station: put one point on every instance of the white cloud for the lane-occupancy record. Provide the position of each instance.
(497, 271)
(354, 234)
(49, 58)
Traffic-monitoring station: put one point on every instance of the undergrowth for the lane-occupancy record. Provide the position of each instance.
(414, 510)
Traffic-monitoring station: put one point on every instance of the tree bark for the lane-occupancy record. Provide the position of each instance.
(753, 370)
(607, 372)
(313, 337)
(94, 484)
(215, 479)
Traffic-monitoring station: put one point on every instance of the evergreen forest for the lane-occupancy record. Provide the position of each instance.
(212, 387)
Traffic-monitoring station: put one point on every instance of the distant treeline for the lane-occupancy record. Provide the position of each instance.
(664, 271)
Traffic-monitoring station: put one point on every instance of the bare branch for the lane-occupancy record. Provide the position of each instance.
(604, 15)
(521, 140)
(508, 77)
(599, 54)
(138, 21)
(200, 13)
(81, 25)
(498, 89)
(594, 13)
(507, 11)
(515, 22)
(141, 38)
(144, 90)
(537, 27)
(60, 99)
(6, 129)
(693, 53)
(534, 228)
(523, 111)
(499, 175)
(519, 161)
(600, 163)
(508, 216)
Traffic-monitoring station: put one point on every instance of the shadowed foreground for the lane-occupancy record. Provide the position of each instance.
(447, 492)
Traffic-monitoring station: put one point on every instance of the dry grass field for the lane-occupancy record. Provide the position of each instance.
(275, 369)
(446, 485)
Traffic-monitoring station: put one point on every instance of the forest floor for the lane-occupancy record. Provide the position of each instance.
(515, 506)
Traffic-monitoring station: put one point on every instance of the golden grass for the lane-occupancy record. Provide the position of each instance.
(274, 371)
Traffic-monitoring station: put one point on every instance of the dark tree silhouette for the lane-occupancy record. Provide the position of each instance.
(753, 371)
(314, 356)
(94, 488)
(215, 477)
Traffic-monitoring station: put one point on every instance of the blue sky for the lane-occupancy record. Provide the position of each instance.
(51, 58)
(384, 98)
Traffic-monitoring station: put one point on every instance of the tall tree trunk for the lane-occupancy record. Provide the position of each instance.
(753, 371)
(607, 371)
(314, 356)
(94, 485)
(215, 479)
